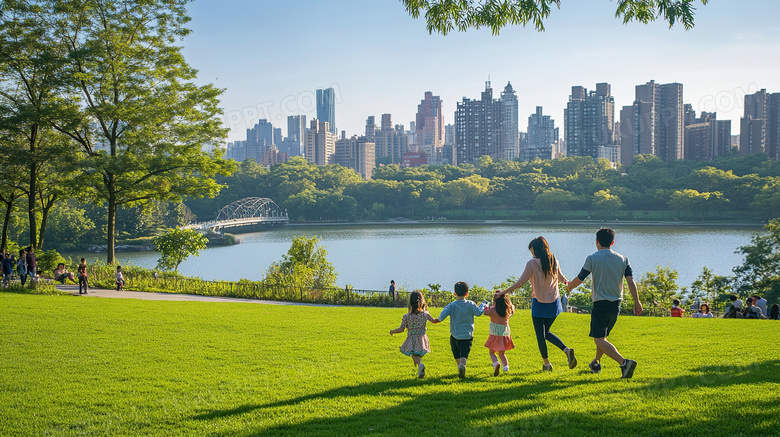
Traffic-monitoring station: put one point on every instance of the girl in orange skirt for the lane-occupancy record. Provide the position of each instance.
(500, 340)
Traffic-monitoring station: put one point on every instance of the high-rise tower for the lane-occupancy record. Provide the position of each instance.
(326, 108)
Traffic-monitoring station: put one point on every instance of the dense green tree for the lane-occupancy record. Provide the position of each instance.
(304, 265)
(176, 245)
(605, 204)
(767, 202)
(466, 191)
(710, 287)
(659, 287)
(444, 16)
(553, 200)
(31, 63)
(760, 272)
(68, 224)
(135, 112)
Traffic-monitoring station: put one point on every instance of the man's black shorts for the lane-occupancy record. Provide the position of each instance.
(603, 317)
(460, 348)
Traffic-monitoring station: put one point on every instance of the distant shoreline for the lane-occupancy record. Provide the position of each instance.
(572, 223)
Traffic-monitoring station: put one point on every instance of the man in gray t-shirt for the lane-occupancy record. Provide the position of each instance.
(608, 269)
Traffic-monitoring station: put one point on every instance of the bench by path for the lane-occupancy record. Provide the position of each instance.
(142, 295)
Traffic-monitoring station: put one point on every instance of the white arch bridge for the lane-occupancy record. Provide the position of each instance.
(246, 212)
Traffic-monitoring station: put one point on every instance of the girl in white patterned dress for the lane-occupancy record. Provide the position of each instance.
(416, 344)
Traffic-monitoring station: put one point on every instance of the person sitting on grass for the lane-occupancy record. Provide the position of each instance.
(752, 311)
(774, 312)
(416, 344)
(676, 311)
(62, 274)
(734, 311)
(120, 279)
(703, 313)
(462, 314)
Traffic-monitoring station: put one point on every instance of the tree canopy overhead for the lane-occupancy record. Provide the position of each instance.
(444, 16)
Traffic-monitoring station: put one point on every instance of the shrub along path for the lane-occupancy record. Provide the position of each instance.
(143, 295)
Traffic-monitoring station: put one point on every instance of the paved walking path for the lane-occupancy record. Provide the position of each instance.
(99, 292)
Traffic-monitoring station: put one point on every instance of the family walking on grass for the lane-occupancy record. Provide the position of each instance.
(607, 268)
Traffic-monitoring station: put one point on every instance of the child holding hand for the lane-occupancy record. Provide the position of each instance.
(416, 344)
(500, 340)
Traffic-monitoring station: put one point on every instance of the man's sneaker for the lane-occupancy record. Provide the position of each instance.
(571, 357)
(496, 369)
(461, 371)
(506, 369)
(547, 367)
(421, 372)
(627, 368)
(595, 367)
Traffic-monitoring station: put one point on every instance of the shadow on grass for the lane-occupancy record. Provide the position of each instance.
(522, 407)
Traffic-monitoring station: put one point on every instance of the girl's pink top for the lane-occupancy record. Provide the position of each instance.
(545, 290)
(495, 318)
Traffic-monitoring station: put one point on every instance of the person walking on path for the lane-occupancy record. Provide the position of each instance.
(21, 267)
(544, 273)
(8, 269)
(416, 344)
(82, 274)
(393, 291)
(32, 262)
(608, 269)
(120, 279)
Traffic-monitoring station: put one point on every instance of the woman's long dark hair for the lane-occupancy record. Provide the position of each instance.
(774, 312)
(541, 250)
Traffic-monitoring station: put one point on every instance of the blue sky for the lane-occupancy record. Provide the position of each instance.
(271, 56)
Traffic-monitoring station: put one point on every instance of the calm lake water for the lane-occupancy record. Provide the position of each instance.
(415, 255)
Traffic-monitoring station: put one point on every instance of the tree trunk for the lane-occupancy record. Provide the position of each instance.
(45, 210)
(111, 227)
(33, 189)
(8, 209)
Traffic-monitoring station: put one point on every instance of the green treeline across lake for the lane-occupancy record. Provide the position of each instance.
(731, 188)
(744, 189)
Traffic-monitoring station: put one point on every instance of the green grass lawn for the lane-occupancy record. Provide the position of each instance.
(90, 366)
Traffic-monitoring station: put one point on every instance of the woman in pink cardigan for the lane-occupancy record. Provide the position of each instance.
(544, 272)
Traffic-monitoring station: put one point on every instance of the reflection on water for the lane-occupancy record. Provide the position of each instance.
(369, 256)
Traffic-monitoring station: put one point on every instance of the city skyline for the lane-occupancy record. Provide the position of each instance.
(724, 57)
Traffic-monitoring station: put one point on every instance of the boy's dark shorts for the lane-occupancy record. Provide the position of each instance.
(460, 348)
(603, 317)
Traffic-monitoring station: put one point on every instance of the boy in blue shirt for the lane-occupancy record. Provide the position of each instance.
(462, 313)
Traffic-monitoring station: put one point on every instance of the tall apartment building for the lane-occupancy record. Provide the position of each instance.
(706, 137)
(320, 143)
(371, 128)
(261, 137)
(294, 143)
(589, 120)
(760, 125)
(326, 108)
(655, 123)
(356, 153)
(510, 126)
(541, 137)
(262, 133)
(391, 141)
(481, 127)
(429, 125)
